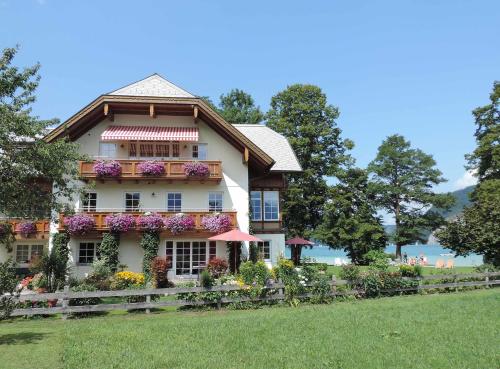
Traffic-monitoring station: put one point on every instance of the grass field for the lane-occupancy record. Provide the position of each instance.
(459, 330)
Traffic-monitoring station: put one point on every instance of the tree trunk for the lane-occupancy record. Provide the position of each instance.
(398, 251)
(296, 253)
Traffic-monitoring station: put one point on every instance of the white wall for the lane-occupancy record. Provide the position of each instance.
(277, 241)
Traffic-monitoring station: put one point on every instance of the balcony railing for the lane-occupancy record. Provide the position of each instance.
(100, 216)
(174, 170)
(42, 229)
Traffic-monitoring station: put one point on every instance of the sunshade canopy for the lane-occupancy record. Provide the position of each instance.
(298, 241)
(150, 133)
(234, 235)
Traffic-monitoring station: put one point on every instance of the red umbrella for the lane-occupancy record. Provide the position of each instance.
(295, 245)
(235, 235)
(298, 241)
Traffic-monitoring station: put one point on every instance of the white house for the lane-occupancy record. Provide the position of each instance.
(153, 119)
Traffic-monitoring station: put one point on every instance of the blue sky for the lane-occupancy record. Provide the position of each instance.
(416, 68)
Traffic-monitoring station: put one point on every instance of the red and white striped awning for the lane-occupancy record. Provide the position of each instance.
(149, 133)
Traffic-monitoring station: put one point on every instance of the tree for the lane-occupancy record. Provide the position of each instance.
(29, 166)
(238, 107)
(350, 220)
(403, 178)
(477, 230)
(8, 288)
(301, 113)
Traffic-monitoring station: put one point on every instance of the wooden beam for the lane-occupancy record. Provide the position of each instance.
(106, 109)
(246, 155)
(152, 112)
(109, 113)
(195, 112)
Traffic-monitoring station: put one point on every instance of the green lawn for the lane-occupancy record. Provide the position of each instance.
(458, 330)
(427, 270)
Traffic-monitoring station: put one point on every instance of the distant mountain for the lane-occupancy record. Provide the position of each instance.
(461, 201)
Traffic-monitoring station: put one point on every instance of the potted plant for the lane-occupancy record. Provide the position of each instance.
(26, 229)
(120, 223)
(217, 223)
(151, 168)
(196, 169)
(110, 168)
(179, 223)
(79, 224)
(151, 222)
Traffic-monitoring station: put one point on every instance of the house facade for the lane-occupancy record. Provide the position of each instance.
(154, 120)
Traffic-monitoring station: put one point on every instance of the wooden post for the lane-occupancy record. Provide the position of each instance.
(487, 280)
(334, 286)
(148, 300)
(65, 302)
(455, 279)
(152, 112)
(219, 303)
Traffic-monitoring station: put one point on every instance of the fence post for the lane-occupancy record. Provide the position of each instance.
(65, 302)
(334, 286)
(487, 280)
(281, 292)
(455, 279)
(148, 300)
(219, 302)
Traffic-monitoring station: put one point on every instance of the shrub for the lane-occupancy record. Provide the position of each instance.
(84, 287)
(350, 272)
(411, 271)
(321, 291)
(253, 252)
(217, 267)
(79, 224)
(127, 279)
(217, 223)
(6, 235)
(108, 168)
(8, 284)
(151, 222)
(151, 168)
(322, 267)
(159, 272)
(150, 242)
(486, 268)
(26, 229)
(60, 242)
(196, 169)
(109, 250)
(377, 259)
(285, 269)
(206, 279)
(179, 223)
(120, 223)
(100, 275)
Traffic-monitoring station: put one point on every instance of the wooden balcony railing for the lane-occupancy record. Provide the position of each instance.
(267, 226)
(174, 170)
(42, 229)
(100, 216)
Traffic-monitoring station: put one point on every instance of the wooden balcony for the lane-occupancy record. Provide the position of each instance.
(267, 226)
(174, 171)
(42, 229)
(199, 231)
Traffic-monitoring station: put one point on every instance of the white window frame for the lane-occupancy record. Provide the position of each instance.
(256, 216)
(201, 151)
(174, 260)
(277, 193)
(270, 247)
(95, 255)
(217, 193)
(104, 153)
(88, 208)
(125, 200)
(29, 250)
(175, 193)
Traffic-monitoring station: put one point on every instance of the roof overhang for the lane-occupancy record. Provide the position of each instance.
(105, 106)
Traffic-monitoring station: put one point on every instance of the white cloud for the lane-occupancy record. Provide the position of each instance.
(467, 179)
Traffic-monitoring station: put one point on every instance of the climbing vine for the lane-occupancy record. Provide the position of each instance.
(109, 250)
(150, 242)
(6, 235)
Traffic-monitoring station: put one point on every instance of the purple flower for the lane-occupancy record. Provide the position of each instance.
(151, 222)
(217, 223)
(79, 224)
(151, 168)
(108, 168)
(196, 169)
(179, 223)
(26, 228)
(120, 223)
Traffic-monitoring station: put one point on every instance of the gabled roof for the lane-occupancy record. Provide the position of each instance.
(154, 85)
(273, 144)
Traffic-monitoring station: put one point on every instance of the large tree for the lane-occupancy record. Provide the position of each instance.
(29, 166)
(350, 221)
(238, 107)
(477, 229)
(402, 183)
(301, 113)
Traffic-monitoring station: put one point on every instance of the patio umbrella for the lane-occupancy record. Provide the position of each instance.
(297, 241)
(235, 235)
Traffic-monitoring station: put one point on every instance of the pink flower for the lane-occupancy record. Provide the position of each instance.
(26, 228)
(79, 224)
(151, 222)
(120, 223)
(179, 223)
(196, 169)
(217, 223)
(151, 168)
(108, 168)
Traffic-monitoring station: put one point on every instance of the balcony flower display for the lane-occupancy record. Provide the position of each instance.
(108, 168)
(217, 223)
(196, 169)
(120, 223)
(151, 222)
(151, 168)
(179, 223)
(79, 224)
(26, 229)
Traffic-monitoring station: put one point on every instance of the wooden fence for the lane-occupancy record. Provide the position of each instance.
(482, 279)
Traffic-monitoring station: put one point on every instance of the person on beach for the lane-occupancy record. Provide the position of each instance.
(405, 258)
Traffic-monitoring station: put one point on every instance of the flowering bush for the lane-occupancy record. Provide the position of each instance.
(120, 223)
(159, 272)
(217, 267)
(179, 223)
(151, 168)
(196, 169)
(217, 223)
(126, 279)
(108, 168)
(26, 228)
(79, 224)
(151, 222)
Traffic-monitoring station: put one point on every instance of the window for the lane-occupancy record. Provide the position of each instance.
(89, 201)
(132, 201)
(212, 252)
(264, 249)
(132, 149)
(175, 150)
(88, 252)
(190, 257)
(146, 150)
(271, 205)
(26, 253)
(174, 201)
(162, 150)
(200, 151)
(169, 250)
(215, 201)
(256, 205)
(107, 150)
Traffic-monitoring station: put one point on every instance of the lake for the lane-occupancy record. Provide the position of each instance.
(323, 254)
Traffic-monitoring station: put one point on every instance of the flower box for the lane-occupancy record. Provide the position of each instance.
(79, 224)
(108, 169)
(151, 168)
(180, 223)
(217, 223)
(26, 229)
(196, 169)
(120, 223)
(151, 222)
